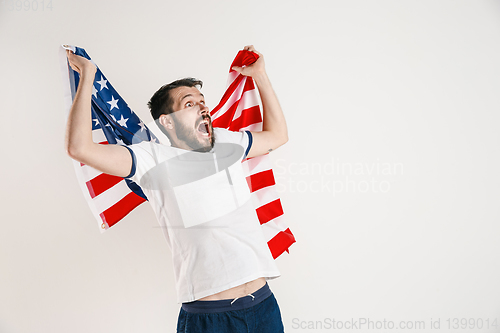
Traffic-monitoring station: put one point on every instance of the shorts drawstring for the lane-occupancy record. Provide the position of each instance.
(234, 300)
(228, 304)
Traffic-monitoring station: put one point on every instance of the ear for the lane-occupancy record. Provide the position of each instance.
(166, 121)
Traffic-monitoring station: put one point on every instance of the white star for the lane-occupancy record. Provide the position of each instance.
(103, 83)
(122, 121)
(113, 102)
(113, 118)
(120, 142)
(94, 91)
(96, 122)
(143, 127)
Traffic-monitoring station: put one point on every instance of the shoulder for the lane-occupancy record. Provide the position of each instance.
(241, 138)
(225, 135)
(149, 147)
(148, 154)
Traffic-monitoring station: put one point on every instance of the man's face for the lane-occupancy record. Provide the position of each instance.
(192, 122)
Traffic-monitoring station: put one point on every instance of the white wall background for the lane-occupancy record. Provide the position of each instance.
(404, 93)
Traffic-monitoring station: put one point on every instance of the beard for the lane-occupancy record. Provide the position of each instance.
(189, 135)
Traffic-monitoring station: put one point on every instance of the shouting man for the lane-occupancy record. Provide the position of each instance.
(198, 191)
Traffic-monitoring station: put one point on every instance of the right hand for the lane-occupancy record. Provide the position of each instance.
(80, 64)
(254, 70)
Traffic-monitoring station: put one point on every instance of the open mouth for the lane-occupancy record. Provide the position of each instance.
(203, 128)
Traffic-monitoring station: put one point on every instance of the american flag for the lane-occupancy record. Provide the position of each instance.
(111, 198)
(239, 110)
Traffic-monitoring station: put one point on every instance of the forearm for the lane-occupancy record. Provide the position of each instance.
(79, 125)
(274, 119)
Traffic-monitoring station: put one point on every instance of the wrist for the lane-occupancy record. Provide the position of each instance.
(260, 77)
(88, 73)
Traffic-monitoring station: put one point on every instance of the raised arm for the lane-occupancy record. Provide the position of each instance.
(111, 159)
(274, 130)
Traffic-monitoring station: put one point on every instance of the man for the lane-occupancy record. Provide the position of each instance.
(221, 260)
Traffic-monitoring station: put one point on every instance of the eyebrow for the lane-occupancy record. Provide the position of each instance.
(191, 95)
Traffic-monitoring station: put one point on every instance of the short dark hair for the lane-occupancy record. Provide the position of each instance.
(162, 102)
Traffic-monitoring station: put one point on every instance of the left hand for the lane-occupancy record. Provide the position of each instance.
(80, 64)
(254, 70)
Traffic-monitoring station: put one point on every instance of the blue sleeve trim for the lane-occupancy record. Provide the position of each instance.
(134, 162)
(250, 141)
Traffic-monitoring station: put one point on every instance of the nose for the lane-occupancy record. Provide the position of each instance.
(203, 108)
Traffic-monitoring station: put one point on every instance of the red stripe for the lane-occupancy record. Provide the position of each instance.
(269, 211)
(224, 120)
(281, 242)
(248, 117)
(260, 180)
(101, 183)
(249, 85)
(244, 58)
(230, 90)
(249, 158)
(119, 210)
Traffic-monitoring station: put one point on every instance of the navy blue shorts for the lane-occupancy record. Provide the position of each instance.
(258, 312)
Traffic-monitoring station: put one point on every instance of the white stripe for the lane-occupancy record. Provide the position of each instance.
(86, 194)
(273, 227)
(265, 195)
(67, 78)
(230, 79)
(234, 98)
(89, 173)
(256, 165)
(98, 136)
(248, 100)
(257, 127)
(111, 196)
(68, 101)
(69, 47)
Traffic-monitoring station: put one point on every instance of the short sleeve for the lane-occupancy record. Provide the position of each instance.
(134, 163)
(143, 159)
(243, 138)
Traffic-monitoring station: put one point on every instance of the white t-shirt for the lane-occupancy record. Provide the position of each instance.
(204, 207)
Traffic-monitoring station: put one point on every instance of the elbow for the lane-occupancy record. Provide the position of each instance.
(284, 138)
(281, 141)
(73, 151)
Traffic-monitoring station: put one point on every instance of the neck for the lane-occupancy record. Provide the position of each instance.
(179, 144)
(176, 143)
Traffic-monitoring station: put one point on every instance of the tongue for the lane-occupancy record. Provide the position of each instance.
(202, 128)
